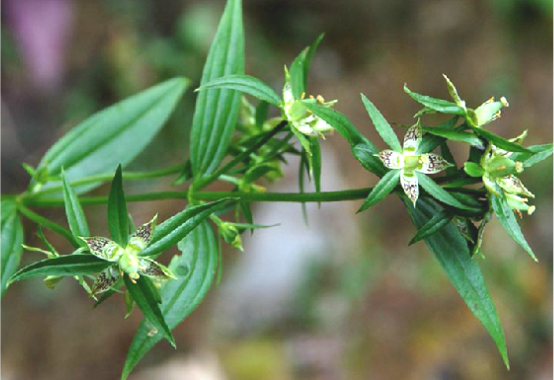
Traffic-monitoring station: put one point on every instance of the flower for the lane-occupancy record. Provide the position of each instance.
(484, 114)
(299, 116)
(126, 260)
(410, 162)
(499, 173)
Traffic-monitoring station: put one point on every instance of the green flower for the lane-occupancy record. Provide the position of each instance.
(499, 173)
(484, 114)
(409, 162)
(299, 116)
(126, 260)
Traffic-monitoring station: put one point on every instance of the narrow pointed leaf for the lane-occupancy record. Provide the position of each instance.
(174, 229)
(537, 154)
(309, 55)
(217, 110)
(366, 155)
(440, 194)
(500, 142)
(143, 292)
(195, 269)
(382, 189)
(118, 218)
(73, 210)
(508, 220)
(430, 142)
(65, 265)
(456, 135)
(452, 252)
(315, 162)
(246, 84)
(439, 105)
(432, 226)
(12, 238)
(113, 136)
(381, 125)
(339, 122)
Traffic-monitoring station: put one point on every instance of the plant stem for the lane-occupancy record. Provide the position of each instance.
(203, 182)
(326, 196)
(107, 177)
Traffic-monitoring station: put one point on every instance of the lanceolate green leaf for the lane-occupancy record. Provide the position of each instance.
(73, 210)
(217, 110)
(174, 229)
(500, 142)
(195, 270)
(142, 292)
(366, 155)
(12, 238)
(430, 142)
(113, 136)
(456, 135)
(439, 105)
(246, 84)
(315, 162)
(453, 254)
(440, 194)
(118, 218)
(381, 125)
(432, 226)
(340, 122)
(309, 54)
(509, 222)
(537, 154)
(66, 265)
(382, 189)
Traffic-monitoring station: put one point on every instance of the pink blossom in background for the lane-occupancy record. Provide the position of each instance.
(41, 29)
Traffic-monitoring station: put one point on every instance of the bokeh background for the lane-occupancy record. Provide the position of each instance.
(340, 298)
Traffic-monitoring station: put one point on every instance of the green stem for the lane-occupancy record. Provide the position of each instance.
(326, 196)
(41, 220)
(107, 177)
(203, 182)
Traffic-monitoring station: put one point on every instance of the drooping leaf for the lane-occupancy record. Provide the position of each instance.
(381, 125)
(143, 292)
(382, 189)
(432, 226)
(195, 270)
(439, 105)
(113, 136)
(440, 194)
(174, 229)
(12, 238)
(246, 84)
(217, 110)
(508, 220)
(118, 218)
(73, 210)
(65, 265)
(452, 252)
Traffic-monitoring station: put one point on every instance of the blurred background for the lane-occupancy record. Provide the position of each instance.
(340, 298)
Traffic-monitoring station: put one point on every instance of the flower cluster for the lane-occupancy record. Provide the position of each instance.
(126, 260)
